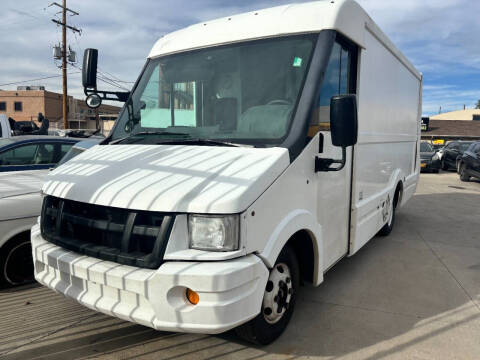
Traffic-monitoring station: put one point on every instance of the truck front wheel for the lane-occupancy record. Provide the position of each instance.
(278, 301)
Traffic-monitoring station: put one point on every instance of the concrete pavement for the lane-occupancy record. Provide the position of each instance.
(412, 295)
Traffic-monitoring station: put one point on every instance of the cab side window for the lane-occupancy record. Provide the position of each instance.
(340, 78)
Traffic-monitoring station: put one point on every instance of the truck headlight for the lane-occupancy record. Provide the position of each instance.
(215, 233)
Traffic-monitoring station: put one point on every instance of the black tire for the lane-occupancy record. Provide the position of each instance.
(388, 227)
(16, 263)
(463, 173)
(444, 166)
(258, 330)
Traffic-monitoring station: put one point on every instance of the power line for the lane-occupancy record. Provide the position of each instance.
(25, 13)
(106, 79)
(42, 78)
(116, 78)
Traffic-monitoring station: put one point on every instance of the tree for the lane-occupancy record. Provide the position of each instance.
(478, 105)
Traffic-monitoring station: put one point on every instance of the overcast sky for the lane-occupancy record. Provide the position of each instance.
(440, 37)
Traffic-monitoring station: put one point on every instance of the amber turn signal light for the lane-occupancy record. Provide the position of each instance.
(192, 297)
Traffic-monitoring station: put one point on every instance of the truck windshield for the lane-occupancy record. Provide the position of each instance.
(244, 93)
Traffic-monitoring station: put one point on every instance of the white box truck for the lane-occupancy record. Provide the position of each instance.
(253, 153)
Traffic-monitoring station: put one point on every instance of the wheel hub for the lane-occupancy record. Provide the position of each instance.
(278, 293)
(387, 211)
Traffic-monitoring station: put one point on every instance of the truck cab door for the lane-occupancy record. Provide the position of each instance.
(334, 188)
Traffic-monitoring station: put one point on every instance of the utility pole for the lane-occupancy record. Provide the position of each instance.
(64, 54)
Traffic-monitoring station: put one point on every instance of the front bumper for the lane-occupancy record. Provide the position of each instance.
(230, 292)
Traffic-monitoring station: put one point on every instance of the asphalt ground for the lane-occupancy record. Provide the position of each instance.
(412, 295)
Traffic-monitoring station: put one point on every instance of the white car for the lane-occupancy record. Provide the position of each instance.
(20, 205)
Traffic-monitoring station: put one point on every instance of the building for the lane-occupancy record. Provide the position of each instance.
(26, 102)
(462, 124)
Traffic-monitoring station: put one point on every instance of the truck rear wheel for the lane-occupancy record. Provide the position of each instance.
(390, 215)
(16, 264)
(278, 301)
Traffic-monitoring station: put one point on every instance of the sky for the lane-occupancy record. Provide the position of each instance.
(440, 37)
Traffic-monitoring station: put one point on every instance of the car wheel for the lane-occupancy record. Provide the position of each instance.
(463, 173)
(278, 301)
(16, 263)
(444, 166)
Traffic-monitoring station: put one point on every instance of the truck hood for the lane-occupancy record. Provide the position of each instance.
(169, 178)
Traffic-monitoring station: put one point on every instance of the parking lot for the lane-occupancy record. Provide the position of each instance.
(414, 294)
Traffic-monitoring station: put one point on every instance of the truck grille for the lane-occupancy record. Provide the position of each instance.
(130, 237)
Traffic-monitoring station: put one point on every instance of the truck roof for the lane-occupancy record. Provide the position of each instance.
(344, 16)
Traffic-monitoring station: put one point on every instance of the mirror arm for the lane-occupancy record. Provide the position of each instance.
(119, 95)
(324, 164)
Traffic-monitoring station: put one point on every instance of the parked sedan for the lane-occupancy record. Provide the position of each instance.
(469, 164)
(20, 205)
(429, 158)
(30, 152)
(451, 152)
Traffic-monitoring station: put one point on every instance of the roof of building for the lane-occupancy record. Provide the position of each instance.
(453, 128)
(463, 115)
(345, 16)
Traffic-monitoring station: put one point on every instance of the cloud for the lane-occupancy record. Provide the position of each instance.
(439, 36)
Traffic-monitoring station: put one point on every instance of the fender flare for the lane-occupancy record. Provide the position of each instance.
(297, 220)
(13, 233)
(396, 178)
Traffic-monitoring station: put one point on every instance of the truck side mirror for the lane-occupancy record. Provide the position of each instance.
(343, 120)
(89, 69)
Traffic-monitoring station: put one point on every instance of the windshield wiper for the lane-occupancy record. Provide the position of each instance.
(201, 142)
(143, 134)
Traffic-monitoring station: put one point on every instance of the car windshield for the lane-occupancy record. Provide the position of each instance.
(243, 93)
(426, 147)
(464, 146)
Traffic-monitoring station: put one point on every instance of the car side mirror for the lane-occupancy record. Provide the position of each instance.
(344, 120)
(89, 69)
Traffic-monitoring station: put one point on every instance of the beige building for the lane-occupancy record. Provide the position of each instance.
(461, 123)
(24, 105)
(466, 115)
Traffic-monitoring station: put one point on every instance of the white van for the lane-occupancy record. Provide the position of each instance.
(253, 153)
